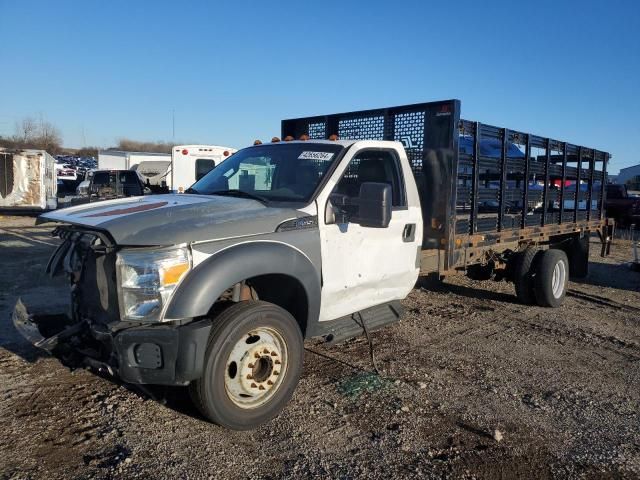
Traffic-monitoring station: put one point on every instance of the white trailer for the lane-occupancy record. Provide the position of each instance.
(28, 180)
(192, 162)
(176, 171)
(121, 160)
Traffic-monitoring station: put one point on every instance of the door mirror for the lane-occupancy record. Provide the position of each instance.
(374, 204)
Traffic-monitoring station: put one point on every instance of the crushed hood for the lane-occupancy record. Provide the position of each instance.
(174, 219)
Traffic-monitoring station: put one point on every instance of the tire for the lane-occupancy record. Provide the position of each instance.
(552, 277)
(523, 272)
(252, 365)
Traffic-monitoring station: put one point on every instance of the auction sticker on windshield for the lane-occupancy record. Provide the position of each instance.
(315, 156)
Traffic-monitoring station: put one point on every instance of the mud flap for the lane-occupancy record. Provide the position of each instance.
(47, 331)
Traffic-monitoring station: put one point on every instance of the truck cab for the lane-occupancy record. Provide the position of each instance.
(315, 230)
(623, 206)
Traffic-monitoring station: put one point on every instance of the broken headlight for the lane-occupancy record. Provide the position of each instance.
(147, 279)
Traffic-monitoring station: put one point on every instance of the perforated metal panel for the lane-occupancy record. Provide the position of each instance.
(426, 131)
(317, 130)
(409, 129)
(361, 128)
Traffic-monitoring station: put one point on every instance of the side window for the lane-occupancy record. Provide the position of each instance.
(381, 166)
(203, 166)
(129, 177)
(101, 178)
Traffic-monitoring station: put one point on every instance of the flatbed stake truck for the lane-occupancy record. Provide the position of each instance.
(216, 289)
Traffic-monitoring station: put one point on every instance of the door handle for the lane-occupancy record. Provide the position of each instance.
(409, 232)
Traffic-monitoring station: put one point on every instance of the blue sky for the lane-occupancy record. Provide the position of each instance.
(233, 70)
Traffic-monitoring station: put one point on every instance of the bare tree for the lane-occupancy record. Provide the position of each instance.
(136, 146)
(49, 137)
(32, 134)
(26, 130)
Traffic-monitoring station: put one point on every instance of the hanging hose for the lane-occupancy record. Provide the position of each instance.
(357, 317)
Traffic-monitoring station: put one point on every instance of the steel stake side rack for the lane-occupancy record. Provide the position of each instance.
(482, 188)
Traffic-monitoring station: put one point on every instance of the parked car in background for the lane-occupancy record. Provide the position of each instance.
(109, 184)
(623, 206)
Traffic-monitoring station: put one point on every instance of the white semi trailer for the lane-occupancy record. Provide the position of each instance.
(121, 160)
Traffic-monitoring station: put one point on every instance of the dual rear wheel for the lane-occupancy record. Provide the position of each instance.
(541, 276)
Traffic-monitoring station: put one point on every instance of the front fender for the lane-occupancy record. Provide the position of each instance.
(205, 283)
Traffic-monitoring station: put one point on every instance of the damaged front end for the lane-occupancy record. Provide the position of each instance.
(94, 333)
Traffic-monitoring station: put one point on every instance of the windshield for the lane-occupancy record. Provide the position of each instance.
(285, 172)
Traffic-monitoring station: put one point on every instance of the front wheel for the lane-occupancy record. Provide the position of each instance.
(252, 365)
(552, 277)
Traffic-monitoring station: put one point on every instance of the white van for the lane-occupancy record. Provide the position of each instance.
(192, 162)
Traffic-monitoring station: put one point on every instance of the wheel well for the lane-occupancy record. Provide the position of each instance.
(286, 292)
(283, 290)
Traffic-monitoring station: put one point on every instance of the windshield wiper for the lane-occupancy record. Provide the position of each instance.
(191, 190)
(239, 193)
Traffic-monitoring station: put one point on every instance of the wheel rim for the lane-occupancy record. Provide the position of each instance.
(256, 367)
(558, 279)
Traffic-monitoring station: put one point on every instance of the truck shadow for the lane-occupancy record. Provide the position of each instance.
(618, 276)
(171, 397)
(22, 349)
(13, 342)
(473, 292)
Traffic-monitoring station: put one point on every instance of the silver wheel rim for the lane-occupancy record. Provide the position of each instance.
(558, 279)
(256, 367)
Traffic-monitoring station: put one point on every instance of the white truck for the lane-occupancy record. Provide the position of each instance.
(192, 162)
(317, 237)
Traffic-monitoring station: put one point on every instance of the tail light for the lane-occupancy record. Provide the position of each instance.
(185, 152)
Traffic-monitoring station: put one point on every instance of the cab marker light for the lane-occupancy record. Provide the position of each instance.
(288, 138)
(257, 142)
(333, 137)
(275, 140)
(304, 137)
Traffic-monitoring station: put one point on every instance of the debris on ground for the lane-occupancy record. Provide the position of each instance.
(484, 388)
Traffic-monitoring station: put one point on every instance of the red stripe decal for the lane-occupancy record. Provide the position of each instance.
(123, 211)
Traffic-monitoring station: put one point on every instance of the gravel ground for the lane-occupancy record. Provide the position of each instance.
(473, 385)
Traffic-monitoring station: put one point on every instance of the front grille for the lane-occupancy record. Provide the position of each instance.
(95, 295)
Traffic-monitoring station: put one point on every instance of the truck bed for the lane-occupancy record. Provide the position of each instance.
(480, 186)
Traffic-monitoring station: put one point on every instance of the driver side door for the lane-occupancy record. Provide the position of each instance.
(367, 266)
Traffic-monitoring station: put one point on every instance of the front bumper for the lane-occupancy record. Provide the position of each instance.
(156, 355)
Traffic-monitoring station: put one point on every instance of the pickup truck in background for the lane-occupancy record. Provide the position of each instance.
(623, 206)
(110, 184)
(321, 236)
